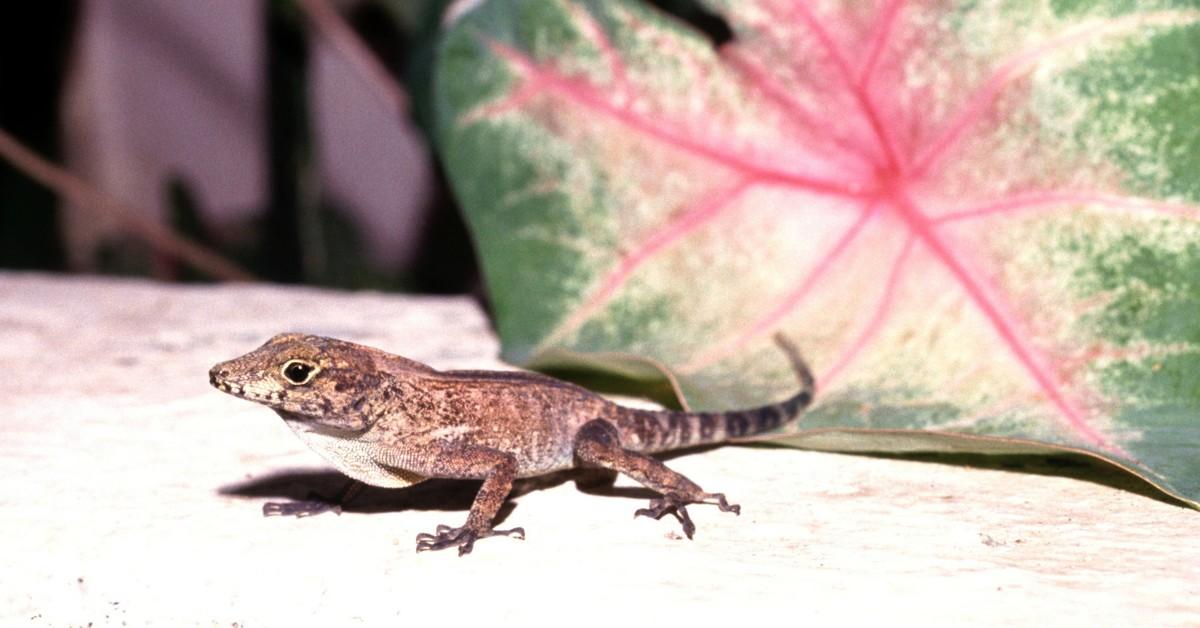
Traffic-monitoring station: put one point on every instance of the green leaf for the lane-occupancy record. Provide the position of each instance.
(973, 217)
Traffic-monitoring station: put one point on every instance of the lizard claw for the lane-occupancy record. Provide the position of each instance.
(677, 506)
(669, 503)
(464, 538)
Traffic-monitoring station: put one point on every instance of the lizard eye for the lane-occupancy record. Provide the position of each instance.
(299, 372)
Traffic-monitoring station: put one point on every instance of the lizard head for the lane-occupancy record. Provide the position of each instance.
(322, 381)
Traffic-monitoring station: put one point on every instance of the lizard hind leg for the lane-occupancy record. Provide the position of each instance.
(598, 443)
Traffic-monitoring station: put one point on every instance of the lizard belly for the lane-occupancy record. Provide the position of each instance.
(353, 458)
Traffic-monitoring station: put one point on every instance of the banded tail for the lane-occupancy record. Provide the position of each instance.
(670, 429)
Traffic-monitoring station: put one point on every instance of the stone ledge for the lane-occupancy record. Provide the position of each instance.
(131, 495)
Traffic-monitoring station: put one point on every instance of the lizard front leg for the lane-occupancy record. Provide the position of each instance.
(498, 470)
(598, 442)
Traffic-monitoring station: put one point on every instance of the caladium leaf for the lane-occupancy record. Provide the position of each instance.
(973, 217)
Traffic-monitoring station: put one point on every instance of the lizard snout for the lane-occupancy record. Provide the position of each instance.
(219, 375)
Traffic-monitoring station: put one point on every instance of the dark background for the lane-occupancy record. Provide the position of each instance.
(39, 43)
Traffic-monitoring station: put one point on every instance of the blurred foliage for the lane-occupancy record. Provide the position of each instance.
(302, 236)
(299, 236)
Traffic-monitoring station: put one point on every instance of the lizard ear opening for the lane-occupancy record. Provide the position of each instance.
(299, 372)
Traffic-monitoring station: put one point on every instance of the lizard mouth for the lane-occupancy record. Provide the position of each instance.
(237, 390)
(240, 390)
(226, 386)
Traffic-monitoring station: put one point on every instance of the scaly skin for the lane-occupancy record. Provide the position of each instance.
(388, 421)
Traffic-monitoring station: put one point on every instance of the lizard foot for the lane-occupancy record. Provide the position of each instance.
(314, 503)
(464, 538)
(677, 505)
(305, 508)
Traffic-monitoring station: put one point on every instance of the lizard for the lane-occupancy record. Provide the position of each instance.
(388, 421)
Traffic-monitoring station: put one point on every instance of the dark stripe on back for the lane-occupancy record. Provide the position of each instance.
(671, 429)
(708, 425)
(685, 428)
(794, 405)
(767, 418)
(737, 424)
(649, 430)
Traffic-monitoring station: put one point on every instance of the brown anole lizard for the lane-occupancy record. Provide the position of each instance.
(389, 421)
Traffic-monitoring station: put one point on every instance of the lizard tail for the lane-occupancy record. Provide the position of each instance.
(670, 429)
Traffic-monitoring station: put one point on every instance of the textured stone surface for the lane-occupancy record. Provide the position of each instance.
(130, 494)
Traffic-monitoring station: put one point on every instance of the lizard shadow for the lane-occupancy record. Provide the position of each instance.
(431, 495)
(302, 484)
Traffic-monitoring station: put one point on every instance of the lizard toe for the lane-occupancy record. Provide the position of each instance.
(673, 504)
(463, 538)
(676, 505)
(722, 503)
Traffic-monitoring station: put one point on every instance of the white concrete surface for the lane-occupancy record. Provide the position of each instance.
(130, 495)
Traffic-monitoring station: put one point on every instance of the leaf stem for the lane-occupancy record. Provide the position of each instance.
(75, 190)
